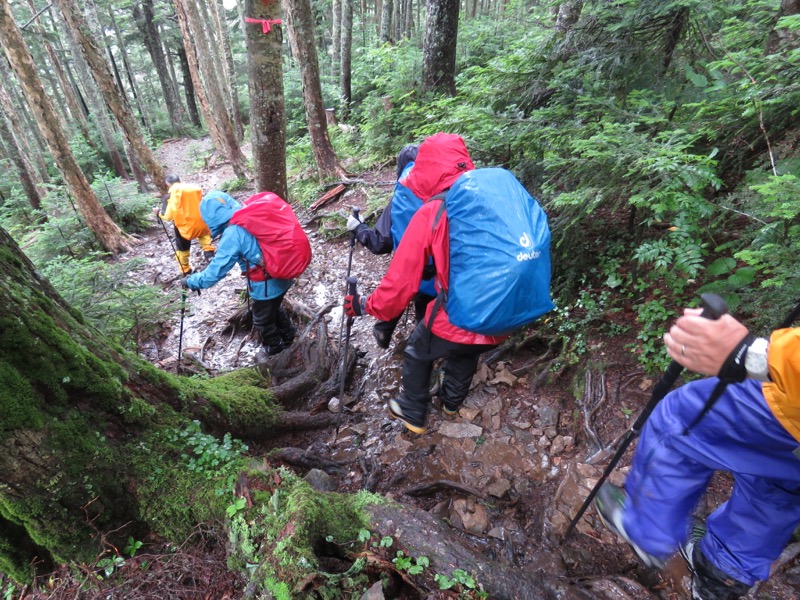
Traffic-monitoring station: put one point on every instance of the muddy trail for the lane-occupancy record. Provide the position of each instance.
(508, 472)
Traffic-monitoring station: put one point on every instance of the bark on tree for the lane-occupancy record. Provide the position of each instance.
(105, 230)
(267, 109)
(439, 48)
(347, 56)
(71, 404)
(299, 20)
(144, 17)
(672, 36)
(230, 69)
(75, 110)
(24, 171)
(188, 86)
(783, 37)
(12, 107)
(193, 69)
(568, 14)
(93, 21)
(98, 109)
(193, 28)
(116, 102)
(386, 21)
(336, 35)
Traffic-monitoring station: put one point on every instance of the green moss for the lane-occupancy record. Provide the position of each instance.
(18, 401)
(242, 397)
(289, 524)
(185, 477)
(55, 365)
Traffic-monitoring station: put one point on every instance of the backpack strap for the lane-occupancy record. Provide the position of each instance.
(441, 296)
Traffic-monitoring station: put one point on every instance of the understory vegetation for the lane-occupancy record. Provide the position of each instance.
(665, 171)
(667, 165)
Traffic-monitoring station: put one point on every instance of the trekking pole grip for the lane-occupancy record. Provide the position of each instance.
(352, 282)
(714, 306)
(356, 210)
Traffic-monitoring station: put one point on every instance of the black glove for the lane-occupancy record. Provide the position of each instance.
(355, 306)
(733, 369)
(185, 283)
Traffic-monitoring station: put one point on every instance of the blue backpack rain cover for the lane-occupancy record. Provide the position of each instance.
(499, 253)
(404, 204)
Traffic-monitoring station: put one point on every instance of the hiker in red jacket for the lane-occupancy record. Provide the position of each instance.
(441, 160)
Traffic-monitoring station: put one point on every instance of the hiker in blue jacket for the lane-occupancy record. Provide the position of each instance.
(238, 246)
(386, 236)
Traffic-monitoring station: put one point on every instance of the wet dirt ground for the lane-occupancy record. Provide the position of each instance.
(510, 470)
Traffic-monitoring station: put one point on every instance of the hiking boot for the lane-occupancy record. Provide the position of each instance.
(708, 582)
(610, 506)
(451, 408)
(209, 255)
(396, 412)
(273, 349)
(382, 338)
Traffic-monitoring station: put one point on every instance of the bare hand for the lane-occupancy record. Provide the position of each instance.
(701, 344)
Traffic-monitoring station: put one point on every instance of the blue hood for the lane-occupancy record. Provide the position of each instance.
(217, 208)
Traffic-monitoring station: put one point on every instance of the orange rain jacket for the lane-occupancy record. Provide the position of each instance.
(183, 207)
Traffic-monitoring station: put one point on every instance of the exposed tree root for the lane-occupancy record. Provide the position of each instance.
(431, 487)
(302, 458)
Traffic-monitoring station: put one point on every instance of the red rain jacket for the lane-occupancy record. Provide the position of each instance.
(442, 158)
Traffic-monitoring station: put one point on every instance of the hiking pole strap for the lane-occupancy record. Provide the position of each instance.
(356, 210)
(716, 393)
(713, 308)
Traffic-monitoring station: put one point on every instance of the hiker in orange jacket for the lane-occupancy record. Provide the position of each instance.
(181, 205)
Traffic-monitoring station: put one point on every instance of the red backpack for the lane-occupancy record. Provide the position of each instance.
(283, 243)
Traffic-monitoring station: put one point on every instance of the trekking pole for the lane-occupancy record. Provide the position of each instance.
(180, 335)
(351, 291)
(713, 308)
(349, 266)
(171, 243)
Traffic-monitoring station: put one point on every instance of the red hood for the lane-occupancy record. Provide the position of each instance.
(441, 159)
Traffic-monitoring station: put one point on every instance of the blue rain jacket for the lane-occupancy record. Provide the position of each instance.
(236, 246)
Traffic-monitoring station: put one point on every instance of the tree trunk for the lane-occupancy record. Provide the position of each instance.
(78, 413)
(193, 67)
(386, 21)
(786, 37)
(12, 106)
(116, 102)
(299, 20)
(191, 25)
(336, 35)
(225, 38)
(673, 35)
(75, 110)
(188, 86)
(15, 155)
(439, 49)
(267, 111)
(98, 108)
(347, 56)
(144, 18)
(568, 14)
(105, 230)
